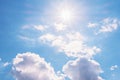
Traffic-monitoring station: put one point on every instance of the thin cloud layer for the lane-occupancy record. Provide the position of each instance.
(82, 69)
(30, 66)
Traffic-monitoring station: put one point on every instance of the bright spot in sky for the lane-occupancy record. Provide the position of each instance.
(65, 15)
(64, 12)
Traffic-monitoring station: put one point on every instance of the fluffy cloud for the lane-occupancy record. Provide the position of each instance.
(30, 66)
(113, 67)
(105, 25)
(69, 41)
(72, 44)
(82, 69)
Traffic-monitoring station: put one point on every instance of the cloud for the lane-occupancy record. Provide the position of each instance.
(105, 25)
(39, 27)
(25, 38)
(72, 44)
(28, 40)
(82, 69)
(113, 67)
(34, 27)
(3, 64)
(30, 66)
(60, 26)
(92, 25)
(109, 25)
(6, 64)
(65, 39)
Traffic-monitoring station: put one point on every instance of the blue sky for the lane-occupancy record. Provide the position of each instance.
(78, 39)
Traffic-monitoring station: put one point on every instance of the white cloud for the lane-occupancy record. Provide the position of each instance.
(30, 66)
(66, 40)
(34, 27)
(0, 59)
(113, 67)
(92, 25)
(109, 25)
(39, 27)
(82, 69)
(105, 25)
(71, 43)
(6, 64)
(60, 26)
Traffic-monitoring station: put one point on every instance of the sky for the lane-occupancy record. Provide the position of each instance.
(59, 39)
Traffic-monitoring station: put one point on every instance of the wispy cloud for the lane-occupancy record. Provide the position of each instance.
(34, 27)
(105, 25)
(60, 26)
(92, 25)
(6, 64)
(25, 38)
(113, 67)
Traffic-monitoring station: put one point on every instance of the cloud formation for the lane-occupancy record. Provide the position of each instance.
(113, 67)
(82, 69)
(34, 27)
(72, 44)
(6, 64)
(105, 25)
(30, 66)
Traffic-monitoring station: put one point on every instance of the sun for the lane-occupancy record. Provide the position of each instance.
(65, 15)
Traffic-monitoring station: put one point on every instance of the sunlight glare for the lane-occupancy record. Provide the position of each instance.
(66, 15)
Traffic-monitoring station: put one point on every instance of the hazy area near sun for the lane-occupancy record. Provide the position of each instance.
(66, 12)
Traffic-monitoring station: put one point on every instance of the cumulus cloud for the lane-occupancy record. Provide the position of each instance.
(69, 41)
(65, 38)
(105, 25)
(28, 40)
(82, 69)
(113, 67)
(30, 66)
